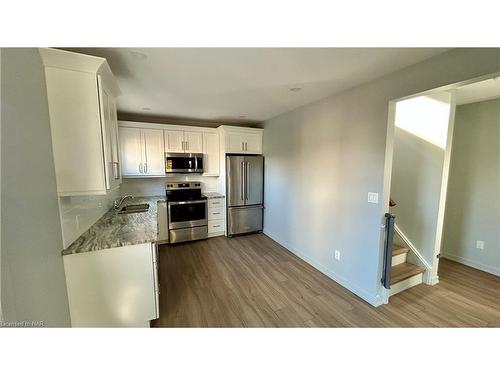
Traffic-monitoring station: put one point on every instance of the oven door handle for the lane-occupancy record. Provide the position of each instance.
(187, 202)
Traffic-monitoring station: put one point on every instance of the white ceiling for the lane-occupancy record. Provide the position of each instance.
(222, 84)
(478, 92)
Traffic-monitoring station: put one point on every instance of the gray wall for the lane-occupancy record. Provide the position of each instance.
(473, 201)
(33, 284)
(417, 169)
(322, 160)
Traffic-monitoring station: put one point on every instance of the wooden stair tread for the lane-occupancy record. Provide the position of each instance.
(404, 271)
(398, 249)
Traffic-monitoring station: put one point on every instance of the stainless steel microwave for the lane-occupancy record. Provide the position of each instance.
(179, 162)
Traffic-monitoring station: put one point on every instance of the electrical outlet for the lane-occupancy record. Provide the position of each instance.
(337, 255)
(480, 245)
(372, 197)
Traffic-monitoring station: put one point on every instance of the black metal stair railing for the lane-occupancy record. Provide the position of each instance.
(389, 236)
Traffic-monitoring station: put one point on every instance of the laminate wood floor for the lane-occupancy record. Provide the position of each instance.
(251, 281)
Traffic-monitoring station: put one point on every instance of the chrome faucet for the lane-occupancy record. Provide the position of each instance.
(117, 203)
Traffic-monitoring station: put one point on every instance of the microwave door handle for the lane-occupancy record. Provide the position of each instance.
(196, 163)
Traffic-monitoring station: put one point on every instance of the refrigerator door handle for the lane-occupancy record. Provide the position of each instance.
(247, 173)
(242, 167)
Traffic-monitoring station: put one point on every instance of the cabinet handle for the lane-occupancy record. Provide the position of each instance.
(145, 167)
(140, 167)
(216, 226)
(215, 213)
(187, 145)
(116, 170)
(246, 146)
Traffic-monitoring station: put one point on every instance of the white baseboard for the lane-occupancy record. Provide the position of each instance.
(480, 266)
(375, 300)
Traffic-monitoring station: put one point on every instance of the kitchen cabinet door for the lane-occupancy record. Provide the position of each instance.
(174, 141)
(211, 154)
(108, 128)
(115, 143)
(252, 143)
(80, 92)
(131, 151)
(154, 151)
(193, 142)
(234, 142)
(75, 127)
(115, 287)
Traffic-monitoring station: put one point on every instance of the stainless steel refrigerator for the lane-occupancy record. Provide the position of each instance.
(244, 190)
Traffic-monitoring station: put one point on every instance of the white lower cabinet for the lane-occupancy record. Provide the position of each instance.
(215, 226)
(216, 217)
(115, 287)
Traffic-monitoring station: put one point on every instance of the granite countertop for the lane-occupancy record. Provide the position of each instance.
(115, 230)
(212, 195)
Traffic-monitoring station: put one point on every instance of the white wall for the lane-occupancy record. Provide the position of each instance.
(322, 160)
(156, 186)
(473, 203)
(417, 170)
(33, 283)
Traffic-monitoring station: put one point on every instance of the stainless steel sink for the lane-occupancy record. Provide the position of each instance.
(134, 208)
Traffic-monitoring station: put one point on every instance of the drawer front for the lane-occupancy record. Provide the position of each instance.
(215, 226)
(188, 234)
(215, 213)
(216, 202)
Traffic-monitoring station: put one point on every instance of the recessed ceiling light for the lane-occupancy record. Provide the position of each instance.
(146, 109)
(139, 55)
(295, 89)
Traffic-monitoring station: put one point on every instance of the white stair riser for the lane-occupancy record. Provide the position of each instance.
(405, 284)
(398, 259)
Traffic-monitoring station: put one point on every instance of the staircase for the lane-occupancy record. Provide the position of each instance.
(404, 275)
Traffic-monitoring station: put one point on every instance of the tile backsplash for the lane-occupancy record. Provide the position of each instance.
(156, 186)
(78, 213)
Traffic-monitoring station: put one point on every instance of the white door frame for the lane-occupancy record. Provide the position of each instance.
(432, 277)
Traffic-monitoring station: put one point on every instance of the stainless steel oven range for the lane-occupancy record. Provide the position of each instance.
(187, 211)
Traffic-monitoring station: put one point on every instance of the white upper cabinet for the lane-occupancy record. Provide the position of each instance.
(211, 150)
(143, 146)
(154, 151)
(183, 141)
(193, 142)
(234, 142)
(109, 130)
(81, 123)
(142, 152)
(242, 140)
(131, 151)
(253, 142)
(174, 141)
